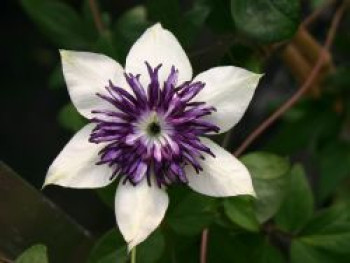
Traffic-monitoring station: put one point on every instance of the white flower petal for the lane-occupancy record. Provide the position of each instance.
(76, 167)
(139, 210)
(88, 73)
(158, 46)
(222, 176)
(229, 89)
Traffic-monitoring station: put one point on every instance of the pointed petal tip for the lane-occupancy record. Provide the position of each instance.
(63, 53)
(49, 182)
(251, 192)
(44, 185)
(130, 246)
(144, 213)
(253, 78)
(51, 179)
(257, 76)
(134, 243)
(229, 90)
(157, 26)
(66, 55)
(86, 74)
(156, 30)
(249, 189)
(75, 166)
(222, 176)
(158, 45)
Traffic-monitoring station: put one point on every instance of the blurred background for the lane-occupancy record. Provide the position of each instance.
(280, 38)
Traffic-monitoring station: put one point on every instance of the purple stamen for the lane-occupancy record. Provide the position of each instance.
(153, 132)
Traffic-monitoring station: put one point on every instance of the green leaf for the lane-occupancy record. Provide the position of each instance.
(88, 18)
(191, 22)
(119, 256)
(270, 195)
(165, 12)
(129, 27)
(326, 237)
(335, 239)
(317, 3)
(185, 24)
(266, 20)
(152, 248)
(334, 161)
(266, 166)
(56, 79)
(226, 247)
(132, 23)
(192, 214)
(59, 22)
(179, 249)
(243, 56)
(313, 120)
(297, 207)
(36, 253)
(301, 252)
(70, 119)
(108, 45)
(269, 254)
(107, 194)
(328, 219)
(112, 248)
(270, 177)
(219, 19)
(338, 81)
(240, 210)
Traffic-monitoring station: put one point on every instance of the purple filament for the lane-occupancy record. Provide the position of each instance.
(152, 132)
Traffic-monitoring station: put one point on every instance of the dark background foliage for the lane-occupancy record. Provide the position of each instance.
(300, 172)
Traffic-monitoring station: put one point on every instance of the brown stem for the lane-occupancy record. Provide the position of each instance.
(204, 245)
(5, 260)
(307, 84)
(309, 47)
(96, 16)
(296, 62)
(301, 54)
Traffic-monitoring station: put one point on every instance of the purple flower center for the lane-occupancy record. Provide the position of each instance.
(154, 131)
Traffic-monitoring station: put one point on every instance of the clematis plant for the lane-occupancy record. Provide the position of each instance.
(148, 126)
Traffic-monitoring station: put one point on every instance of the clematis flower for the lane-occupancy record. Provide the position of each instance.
(148, 123)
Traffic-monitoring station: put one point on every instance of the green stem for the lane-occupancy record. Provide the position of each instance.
(133, 255)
